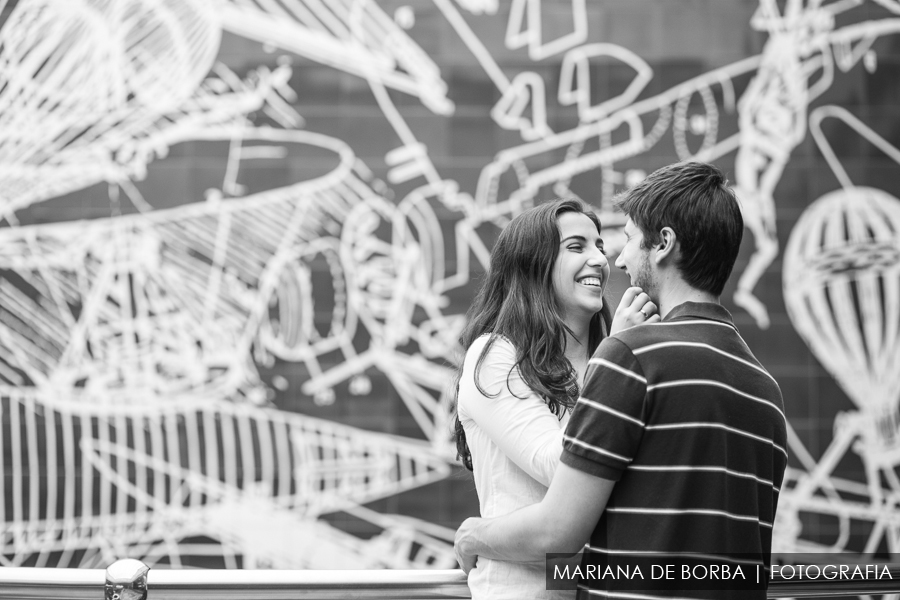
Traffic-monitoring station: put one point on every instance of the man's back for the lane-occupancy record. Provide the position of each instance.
(692, 428)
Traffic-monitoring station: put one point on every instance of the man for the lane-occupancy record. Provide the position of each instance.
(678, 442)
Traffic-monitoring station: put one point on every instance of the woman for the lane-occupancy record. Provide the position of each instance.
(536, 321)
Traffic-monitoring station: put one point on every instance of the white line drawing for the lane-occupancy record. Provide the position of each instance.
(842, 291)
(161, 474)
(479, 7)
(92, 62)
(796, 66)
(159, 297)
(511, 111)
(351, 35)
(575, 80)
(525, 29)
(169, 308)
(167, 315)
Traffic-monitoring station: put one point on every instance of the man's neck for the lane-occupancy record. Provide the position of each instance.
(676, 291)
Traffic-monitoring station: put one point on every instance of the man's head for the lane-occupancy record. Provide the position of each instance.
(691, 204)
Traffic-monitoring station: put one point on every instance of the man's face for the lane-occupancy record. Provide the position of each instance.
(636, 261)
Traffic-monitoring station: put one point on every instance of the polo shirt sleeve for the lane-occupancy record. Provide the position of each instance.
(608, 420)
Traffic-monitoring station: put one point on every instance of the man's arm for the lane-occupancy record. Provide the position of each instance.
(561, 523)
(599, 442)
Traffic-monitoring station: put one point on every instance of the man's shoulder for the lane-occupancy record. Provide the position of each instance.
(639, 336)
(695, 345)
(684, 328)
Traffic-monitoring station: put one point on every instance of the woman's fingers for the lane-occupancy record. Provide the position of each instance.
(636, 300)
(629, 296)
(648, 309)
(635, 308)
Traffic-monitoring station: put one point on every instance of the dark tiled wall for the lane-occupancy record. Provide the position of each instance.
(679, 39)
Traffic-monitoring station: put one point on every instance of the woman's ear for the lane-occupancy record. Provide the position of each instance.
(666, 246)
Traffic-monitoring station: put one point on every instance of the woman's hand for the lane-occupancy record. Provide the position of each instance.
(635, 308)
(464, 543)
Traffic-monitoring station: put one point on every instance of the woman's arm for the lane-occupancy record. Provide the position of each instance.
(522, 427)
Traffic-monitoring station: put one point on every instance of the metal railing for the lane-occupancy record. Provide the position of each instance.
(132, 580)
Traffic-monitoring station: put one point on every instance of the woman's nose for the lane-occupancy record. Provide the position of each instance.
(597, 258)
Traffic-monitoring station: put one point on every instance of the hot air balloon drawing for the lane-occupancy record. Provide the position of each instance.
(842, 291)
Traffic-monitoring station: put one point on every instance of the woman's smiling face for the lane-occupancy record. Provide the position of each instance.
(581, 270)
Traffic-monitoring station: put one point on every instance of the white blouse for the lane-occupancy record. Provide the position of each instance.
(515, 444)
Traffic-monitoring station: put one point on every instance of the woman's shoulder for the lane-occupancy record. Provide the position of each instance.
(483, 379)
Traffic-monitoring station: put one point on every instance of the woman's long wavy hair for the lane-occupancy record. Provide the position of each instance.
(516, 301)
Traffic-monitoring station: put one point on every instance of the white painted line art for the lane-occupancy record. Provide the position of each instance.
(525, 29)
(523, 106)
(148, 479)
(842, 291)
(134, 343)
(155, 322)
(575, 80)
(355, 36)
(796, 66)
(479, 7)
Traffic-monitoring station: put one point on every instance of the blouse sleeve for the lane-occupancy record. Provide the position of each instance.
(509, 413)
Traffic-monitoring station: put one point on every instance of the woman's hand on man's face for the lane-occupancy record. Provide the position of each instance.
(635, 308)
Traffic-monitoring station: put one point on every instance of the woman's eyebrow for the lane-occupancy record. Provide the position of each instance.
(580, 238)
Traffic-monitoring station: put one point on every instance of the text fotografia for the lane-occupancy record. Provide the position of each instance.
(832, 572)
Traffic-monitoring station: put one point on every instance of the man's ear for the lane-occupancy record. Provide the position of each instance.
(667, 245)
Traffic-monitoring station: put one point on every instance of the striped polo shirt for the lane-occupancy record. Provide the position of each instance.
(692, 429)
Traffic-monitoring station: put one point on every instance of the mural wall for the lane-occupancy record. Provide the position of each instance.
(238, 239)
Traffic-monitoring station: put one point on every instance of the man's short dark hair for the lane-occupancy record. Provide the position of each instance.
(694, 199)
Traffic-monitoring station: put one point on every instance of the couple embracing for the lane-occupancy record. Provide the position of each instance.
(650, 432)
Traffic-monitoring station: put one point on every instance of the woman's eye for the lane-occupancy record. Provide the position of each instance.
(575, 247)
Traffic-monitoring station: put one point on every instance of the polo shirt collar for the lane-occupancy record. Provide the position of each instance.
(700, 310)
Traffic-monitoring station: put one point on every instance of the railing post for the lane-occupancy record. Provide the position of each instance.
(126, 579)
